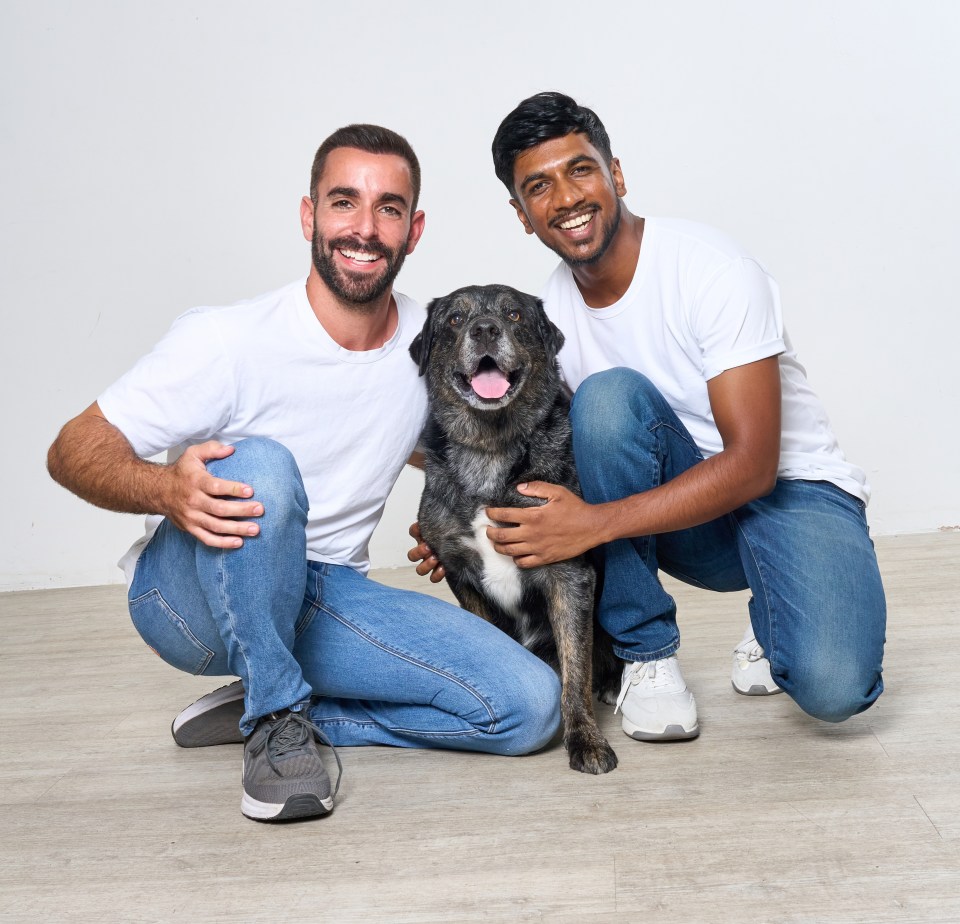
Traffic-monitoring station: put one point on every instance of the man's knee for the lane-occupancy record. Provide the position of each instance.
(270, 469)
(833, 691)
(257, 453)
(602, 398)
(537, 711)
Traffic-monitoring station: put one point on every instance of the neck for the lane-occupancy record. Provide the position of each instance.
(606, 281)
(354, 328)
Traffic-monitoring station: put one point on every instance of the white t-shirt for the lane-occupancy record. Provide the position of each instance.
(267, 367)
(698, 305)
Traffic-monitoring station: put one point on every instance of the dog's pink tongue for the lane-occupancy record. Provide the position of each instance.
(490, 384)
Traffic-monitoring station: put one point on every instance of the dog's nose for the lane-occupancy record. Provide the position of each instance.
(485, 330)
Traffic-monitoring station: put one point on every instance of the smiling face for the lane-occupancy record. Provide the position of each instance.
(490, 364)
(569, 197)
(486, 347)
(360, 224)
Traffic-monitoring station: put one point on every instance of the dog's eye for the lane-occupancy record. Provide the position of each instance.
(456, 319)
(514, 314)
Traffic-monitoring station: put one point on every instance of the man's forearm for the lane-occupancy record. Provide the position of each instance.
(95, 461)
(704, 492)
(746, 405)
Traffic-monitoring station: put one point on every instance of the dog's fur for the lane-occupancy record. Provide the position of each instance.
(478, 449)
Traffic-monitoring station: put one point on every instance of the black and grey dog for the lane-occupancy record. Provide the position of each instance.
(498, 417)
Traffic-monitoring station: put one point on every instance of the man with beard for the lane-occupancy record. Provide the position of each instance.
(287, 420)
(701, 448)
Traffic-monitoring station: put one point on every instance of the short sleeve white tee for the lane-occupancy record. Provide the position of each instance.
(697, 306)
(266, 367)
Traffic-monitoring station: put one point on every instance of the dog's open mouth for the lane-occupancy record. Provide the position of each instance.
(488, 380)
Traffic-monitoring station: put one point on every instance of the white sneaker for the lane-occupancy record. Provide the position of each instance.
(751, 670)
(655, 702)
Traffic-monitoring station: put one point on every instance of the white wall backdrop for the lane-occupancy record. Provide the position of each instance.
(153, 157)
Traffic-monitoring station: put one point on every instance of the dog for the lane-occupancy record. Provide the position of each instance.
(498, 416)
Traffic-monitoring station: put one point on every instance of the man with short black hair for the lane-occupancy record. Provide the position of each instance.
(288, 419)
(700, 446)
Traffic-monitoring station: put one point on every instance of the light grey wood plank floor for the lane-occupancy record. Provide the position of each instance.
(768, 817)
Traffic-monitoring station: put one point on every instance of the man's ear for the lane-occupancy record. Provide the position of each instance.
(616, 174)
(417, 224)
(522, 215)
(306, 217)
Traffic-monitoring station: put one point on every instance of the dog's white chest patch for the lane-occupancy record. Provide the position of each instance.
(501, 577)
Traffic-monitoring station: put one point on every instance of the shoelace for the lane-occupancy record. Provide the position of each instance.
(658, 674)
(640, 670)
(290, 734)
(748, 651)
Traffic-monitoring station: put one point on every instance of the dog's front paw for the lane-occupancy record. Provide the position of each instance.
(590, 753)
(609, 694)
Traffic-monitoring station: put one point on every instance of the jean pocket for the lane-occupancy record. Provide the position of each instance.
(311, 601)
(167, 634)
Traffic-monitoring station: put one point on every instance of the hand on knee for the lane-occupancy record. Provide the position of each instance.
(271, 470)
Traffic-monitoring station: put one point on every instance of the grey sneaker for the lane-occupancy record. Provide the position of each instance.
(283, 776)
(212, 719)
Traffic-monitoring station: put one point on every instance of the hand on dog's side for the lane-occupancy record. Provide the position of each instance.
(561, 528)
(428, 563)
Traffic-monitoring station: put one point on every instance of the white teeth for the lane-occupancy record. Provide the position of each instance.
(362, 257)
(576, 222)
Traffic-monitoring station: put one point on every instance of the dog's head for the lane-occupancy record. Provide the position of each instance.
(486, 346)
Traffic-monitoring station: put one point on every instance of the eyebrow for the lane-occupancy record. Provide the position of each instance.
(352, 192)
(577, 159)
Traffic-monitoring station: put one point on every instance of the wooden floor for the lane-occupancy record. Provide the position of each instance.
(768, 817)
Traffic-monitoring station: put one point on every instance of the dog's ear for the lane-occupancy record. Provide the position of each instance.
(551, 335)
(421, 344)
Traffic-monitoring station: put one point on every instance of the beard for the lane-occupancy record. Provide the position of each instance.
(355, 290)
(608, 232)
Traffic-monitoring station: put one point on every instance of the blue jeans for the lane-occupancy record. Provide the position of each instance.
(374, 665)
(818, 606)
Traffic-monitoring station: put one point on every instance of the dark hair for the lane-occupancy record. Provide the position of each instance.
(540, 118)
(374, 139)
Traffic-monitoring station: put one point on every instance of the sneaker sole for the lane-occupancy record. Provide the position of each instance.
(301, 805)
(758, 689)
(213, 719)
(670, 733)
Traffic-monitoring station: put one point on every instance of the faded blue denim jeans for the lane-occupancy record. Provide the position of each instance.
(372, 664)
(804, 551)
